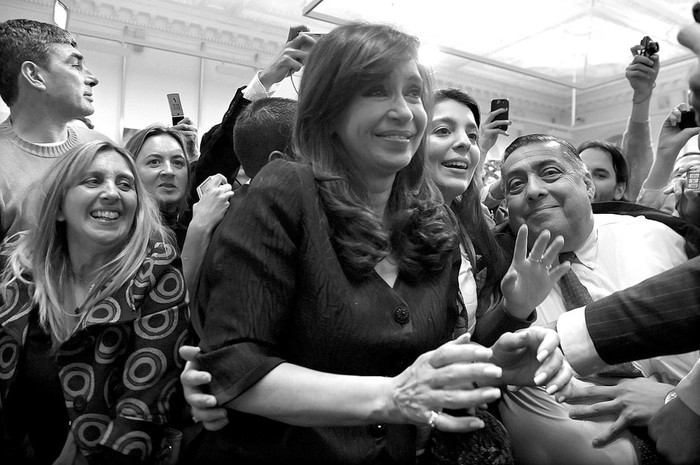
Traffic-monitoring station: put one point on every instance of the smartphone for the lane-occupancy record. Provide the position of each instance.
(175, 108)
(688, 119)
(212, 182)
(501, 103)
(295, 30)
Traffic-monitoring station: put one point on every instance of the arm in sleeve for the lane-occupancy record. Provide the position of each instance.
(216, 150)
(248, 282)
(217, 153)
(688, 389)
(658, 316)
(496, 321)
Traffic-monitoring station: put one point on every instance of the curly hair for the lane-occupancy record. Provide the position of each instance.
(421, 231)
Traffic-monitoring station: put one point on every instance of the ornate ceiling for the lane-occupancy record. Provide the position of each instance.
(559, 61)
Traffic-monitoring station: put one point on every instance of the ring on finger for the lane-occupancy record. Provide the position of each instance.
(536, 260)
(195, 419)
(433, 419)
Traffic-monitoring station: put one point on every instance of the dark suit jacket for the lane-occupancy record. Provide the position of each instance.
(659, 316)
(216, 151)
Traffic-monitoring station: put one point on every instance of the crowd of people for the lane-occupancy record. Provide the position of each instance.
(365, 297)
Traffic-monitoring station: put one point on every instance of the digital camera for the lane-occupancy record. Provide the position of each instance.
(650, 47)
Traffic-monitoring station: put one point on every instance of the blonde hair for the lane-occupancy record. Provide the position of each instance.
(40, 258)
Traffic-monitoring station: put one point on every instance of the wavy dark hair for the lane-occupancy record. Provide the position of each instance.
(422, 231)
(469, 210)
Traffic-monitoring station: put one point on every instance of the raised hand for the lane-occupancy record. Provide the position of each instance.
(290, 59)
(212, 206)
(641, 74)
(189, 131)
(671, 137)
(531, 277)
(489, 130)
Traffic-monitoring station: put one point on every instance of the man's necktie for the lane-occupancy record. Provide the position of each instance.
(575, 295)
(573, 291)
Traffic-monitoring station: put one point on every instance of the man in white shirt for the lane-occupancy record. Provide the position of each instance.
(548, 187)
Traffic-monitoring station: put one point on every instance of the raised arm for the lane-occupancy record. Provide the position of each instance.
(206, 215)
(636, 143)
(671, 140)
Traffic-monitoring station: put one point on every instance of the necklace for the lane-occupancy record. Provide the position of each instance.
(84, 282)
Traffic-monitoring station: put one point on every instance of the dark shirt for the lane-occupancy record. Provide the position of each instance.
(273, 290)
(118, 370)
(36, 403)
(172, 221)
(216, 150)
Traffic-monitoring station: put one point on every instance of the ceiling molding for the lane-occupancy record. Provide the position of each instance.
(181, 27)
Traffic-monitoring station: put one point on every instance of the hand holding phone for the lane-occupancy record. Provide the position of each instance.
(501, 103)
(294, 31)
(175, 108)
(687, 119)
(693, 180)
(212, 182)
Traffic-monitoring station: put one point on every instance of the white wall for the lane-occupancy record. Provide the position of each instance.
(145, 75)
(135, 79)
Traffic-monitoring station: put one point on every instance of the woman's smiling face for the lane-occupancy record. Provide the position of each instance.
(453, 150)
(99, 211)
(384, 124)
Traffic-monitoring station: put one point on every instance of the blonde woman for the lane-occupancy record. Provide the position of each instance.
(94, 309)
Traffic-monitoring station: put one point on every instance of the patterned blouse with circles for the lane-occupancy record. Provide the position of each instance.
(119, 369)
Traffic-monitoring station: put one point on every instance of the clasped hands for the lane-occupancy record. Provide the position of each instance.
(462, 375)
(457, 375)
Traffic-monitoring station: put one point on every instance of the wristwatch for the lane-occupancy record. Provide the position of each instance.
(672, 394)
